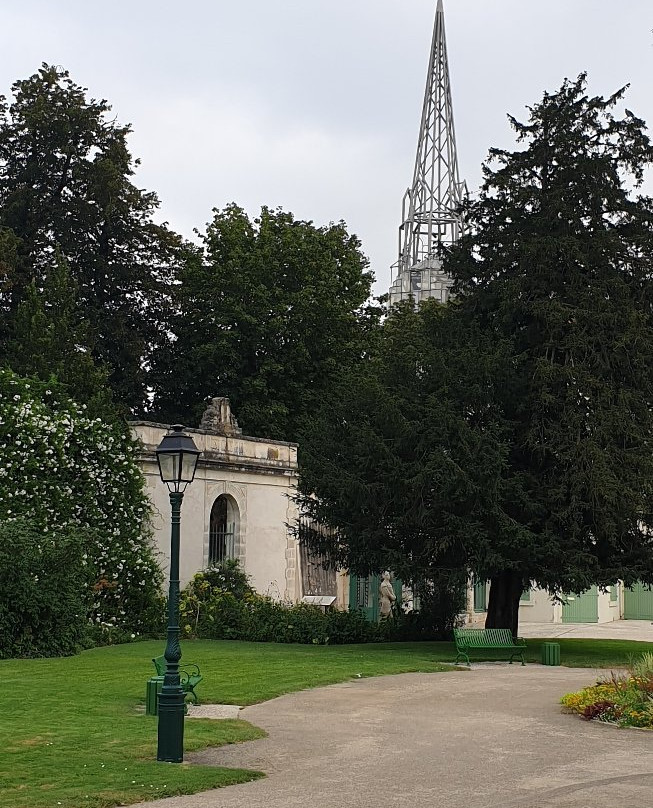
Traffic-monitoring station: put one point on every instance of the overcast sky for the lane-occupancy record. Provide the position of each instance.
(314, 105)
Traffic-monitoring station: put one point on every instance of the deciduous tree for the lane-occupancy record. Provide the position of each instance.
(66, 183)
(267, 315)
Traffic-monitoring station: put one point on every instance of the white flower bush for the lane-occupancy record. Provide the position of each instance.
(60, 468)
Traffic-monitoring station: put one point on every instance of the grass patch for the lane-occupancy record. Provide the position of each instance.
(71, 732)
(576, 653)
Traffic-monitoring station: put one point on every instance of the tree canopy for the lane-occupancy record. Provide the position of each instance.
(558, 264)
(49, 338)
(403, 460)
(66, 188)
(266, 314)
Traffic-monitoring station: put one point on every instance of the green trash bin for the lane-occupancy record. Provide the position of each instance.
(152, 691)
(550, 653)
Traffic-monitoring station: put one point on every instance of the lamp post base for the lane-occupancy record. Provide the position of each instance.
(170, 746)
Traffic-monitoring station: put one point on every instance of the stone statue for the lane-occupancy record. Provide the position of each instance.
(386, 597)
(219, 419)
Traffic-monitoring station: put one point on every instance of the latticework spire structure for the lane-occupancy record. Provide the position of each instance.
(430, 215)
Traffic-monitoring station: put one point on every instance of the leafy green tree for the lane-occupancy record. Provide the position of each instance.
(66, 183)
(267, 317)
(49, 338)
(557, 265)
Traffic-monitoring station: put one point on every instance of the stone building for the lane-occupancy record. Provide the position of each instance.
(239, 506)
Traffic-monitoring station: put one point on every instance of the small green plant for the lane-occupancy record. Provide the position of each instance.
(642, 667)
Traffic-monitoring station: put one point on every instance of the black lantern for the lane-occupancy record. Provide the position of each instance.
(177, 458)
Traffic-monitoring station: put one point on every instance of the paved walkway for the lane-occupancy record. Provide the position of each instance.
(618, 630)
(492, 737)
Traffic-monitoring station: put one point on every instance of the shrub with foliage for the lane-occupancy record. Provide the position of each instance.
(220, 604)
(64, 471)
(626, 701)
(44, 590)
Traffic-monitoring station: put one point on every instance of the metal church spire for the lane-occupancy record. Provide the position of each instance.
(429, 210)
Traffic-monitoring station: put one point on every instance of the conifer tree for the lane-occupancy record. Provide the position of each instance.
(558, 264)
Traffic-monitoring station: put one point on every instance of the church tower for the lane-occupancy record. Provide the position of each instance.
(429, 210)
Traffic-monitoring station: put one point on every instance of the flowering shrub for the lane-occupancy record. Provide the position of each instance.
(62, 470)
(626, 701)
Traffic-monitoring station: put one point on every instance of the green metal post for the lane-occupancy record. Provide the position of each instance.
(171, 699)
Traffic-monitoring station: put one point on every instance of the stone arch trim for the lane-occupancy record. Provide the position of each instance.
(238, 494)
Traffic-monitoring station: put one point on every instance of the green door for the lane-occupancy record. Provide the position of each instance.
(638, 603)
(480, 596)
(364, 594)
(581, 608)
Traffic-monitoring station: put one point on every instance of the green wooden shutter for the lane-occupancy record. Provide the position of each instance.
(480, 596)
(364, 595)
(581, 607)
(638, 603)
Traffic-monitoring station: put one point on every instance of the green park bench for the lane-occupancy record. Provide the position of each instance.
(189, 676)
(485, 639)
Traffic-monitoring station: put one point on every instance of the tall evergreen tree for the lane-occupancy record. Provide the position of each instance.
(511, 432)
(266, 315)
(8, 278)
(558, 264)
(66, 182)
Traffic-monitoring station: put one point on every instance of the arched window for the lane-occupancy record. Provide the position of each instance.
(223, 527)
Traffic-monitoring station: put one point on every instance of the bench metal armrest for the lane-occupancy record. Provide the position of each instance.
(190, 668)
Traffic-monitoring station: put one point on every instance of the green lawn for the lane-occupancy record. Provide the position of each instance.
(73, 732)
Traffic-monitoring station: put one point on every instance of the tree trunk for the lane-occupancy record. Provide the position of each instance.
(503, 606)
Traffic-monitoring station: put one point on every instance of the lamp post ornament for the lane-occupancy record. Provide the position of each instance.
(177, 457)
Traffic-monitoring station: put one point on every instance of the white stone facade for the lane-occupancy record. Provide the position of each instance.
(421, 282)
(258, 478)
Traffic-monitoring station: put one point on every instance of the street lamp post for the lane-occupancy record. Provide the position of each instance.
(177, 458)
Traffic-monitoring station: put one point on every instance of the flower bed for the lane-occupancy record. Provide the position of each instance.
(625, 700)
